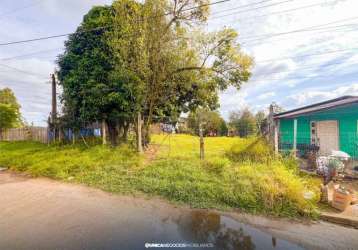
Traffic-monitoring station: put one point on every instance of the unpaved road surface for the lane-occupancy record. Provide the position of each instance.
(45, 214)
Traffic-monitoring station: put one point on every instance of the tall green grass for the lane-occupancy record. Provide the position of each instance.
(252, 149)
(237, 173)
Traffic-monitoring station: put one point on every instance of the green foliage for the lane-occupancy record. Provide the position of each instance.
(10, 115)
(84, 72)
(212, 122)
(244, 123)
(261, 121)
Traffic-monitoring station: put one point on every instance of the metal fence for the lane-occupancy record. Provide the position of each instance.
(347, 142)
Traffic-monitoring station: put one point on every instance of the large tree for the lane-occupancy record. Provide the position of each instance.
(147, 58)
(95, 88)
(10, 115)
(182, 67)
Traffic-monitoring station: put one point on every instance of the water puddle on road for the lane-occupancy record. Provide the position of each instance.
(212, 230)
(225, 233)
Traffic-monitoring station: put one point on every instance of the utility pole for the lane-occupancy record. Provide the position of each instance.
(54, 107)
(139, 133)
(54, 100)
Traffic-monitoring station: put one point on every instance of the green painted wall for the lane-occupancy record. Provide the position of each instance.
(347, 118)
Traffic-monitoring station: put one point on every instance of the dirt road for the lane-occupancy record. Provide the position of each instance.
(45, 214)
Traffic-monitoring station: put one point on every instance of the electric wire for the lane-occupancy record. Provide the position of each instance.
(94, 29)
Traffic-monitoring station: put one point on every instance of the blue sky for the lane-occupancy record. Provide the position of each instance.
(315, 61)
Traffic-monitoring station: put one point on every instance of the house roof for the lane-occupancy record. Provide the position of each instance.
(338, 102)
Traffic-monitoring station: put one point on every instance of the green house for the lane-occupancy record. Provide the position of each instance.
(324, 126)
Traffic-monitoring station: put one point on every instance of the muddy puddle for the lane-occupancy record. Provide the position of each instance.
(198, 229)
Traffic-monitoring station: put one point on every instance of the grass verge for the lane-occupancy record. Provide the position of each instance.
(232, 176)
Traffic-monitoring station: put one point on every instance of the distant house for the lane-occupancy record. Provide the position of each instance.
(324, 126)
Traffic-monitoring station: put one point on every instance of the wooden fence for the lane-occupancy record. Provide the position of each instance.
(39, 134)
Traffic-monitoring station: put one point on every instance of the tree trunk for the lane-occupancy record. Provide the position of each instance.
(125, 131)
(73, 136)
(112, 133)
(139, 133)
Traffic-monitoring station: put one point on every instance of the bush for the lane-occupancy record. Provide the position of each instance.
(253, 149)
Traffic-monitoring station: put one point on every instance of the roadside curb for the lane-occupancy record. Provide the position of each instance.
(340, 219)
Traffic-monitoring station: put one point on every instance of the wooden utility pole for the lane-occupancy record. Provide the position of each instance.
(54, 100)
(53, 118)
(139, 133)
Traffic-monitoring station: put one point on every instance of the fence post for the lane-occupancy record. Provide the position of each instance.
(104, 134)
(276, 135)
(295, 136)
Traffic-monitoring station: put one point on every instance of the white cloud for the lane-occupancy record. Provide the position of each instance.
(266, 95)
(312, 96)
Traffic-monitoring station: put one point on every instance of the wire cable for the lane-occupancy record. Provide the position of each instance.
(94, 29)
(306, 55)
(272, 13)
(21, 71)
(307, 29)
(241, 6)
(253, 9)
(308, 67)
(29, 54)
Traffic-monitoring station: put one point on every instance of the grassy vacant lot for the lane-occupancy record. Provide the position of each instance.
(237, 173)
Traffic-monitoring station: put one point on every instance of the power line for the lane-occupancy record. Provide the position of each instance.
(252, 9)
(49, 37)
(95, 29)
(344, 29)
(299, 78)
(271, 13)
(307, 55)
(21, 71)
(19, 9)
(311, 28)
(62, 35)
(308, 67)
(242, 6)
(29, 54)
